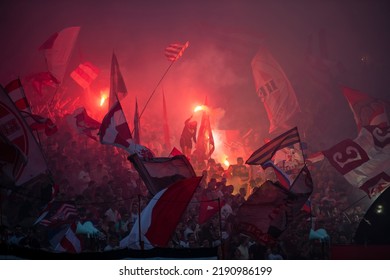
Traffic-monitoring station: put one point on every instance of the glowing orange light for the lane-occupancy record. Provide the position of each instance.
(200, 108)
(103, 99)
(226, 162)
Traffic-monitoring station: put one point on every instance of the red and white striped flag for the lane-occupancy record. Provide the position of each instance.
(267, 151)
(15, 129)
(85, 74)
(16, 93)
(37, 123)
(174, 51)
(115, 131)
(162, 214)
(118, 88)
(69, 243)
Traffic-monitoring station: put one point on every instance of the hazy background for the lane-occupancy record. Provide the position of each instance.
(224, 36)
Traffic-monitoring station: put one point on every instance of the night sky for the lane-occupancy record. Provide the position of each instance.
(224, 36)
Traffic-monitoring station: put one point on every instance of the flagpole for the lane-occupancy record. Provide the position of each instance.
(220, 229)
(141, 242)
(154, 90)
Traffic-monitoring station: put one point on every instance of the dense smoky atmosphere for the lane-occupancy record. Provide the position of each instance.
(224, 36)
(215, 125)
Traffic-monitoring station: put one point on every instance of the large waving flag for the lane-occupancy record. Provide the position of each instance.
(283, 154)
(366, 110)
(364, 161)
(271, 209)
(118, 88)
(83, 123)
(160, 172)
(205, 145)
(58, 49)
(114, 129)
(274, 89)
(175, 50)
(85, 74)
(37, 123)
(162, 214)
(16, 130)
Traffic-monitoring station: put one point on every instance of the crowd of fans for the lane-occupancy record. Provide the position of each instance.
(108, 194)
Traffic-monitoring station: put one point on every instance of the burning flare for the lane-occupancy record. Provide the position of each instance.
(200, 108)
(103, 97)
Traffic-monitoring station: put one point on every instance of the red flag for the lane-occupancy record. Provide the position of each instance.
(167, 137)
(118, 88)
(83, 123)
(162, 214)
(175, 152)
(41, 79)
(274, 89)
(205, 140)
(85, 74)
(366, 110)
(57, 50)
(174, 51)
(39, 123)
(208, 208)
(160, 172)
(16, 130)
(137, 127)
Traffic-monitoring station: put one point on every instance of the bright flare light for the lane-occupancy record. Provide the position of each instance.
(200, 108)
(103, 97)
(226, 162)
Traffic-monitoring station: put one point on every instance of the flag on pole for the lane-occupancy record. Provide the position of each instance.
(267, 151)
(58, 49)
(137, 126)
(274, 89)
(205, 145)
(160, 172)
(15, 129)
(174, 51)
(208, 208)
(283, 154)
(115, 131)
(83, 123)
(167, 137)
(85, 74)
(162, 214)
(366, 110)
(118, 88)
